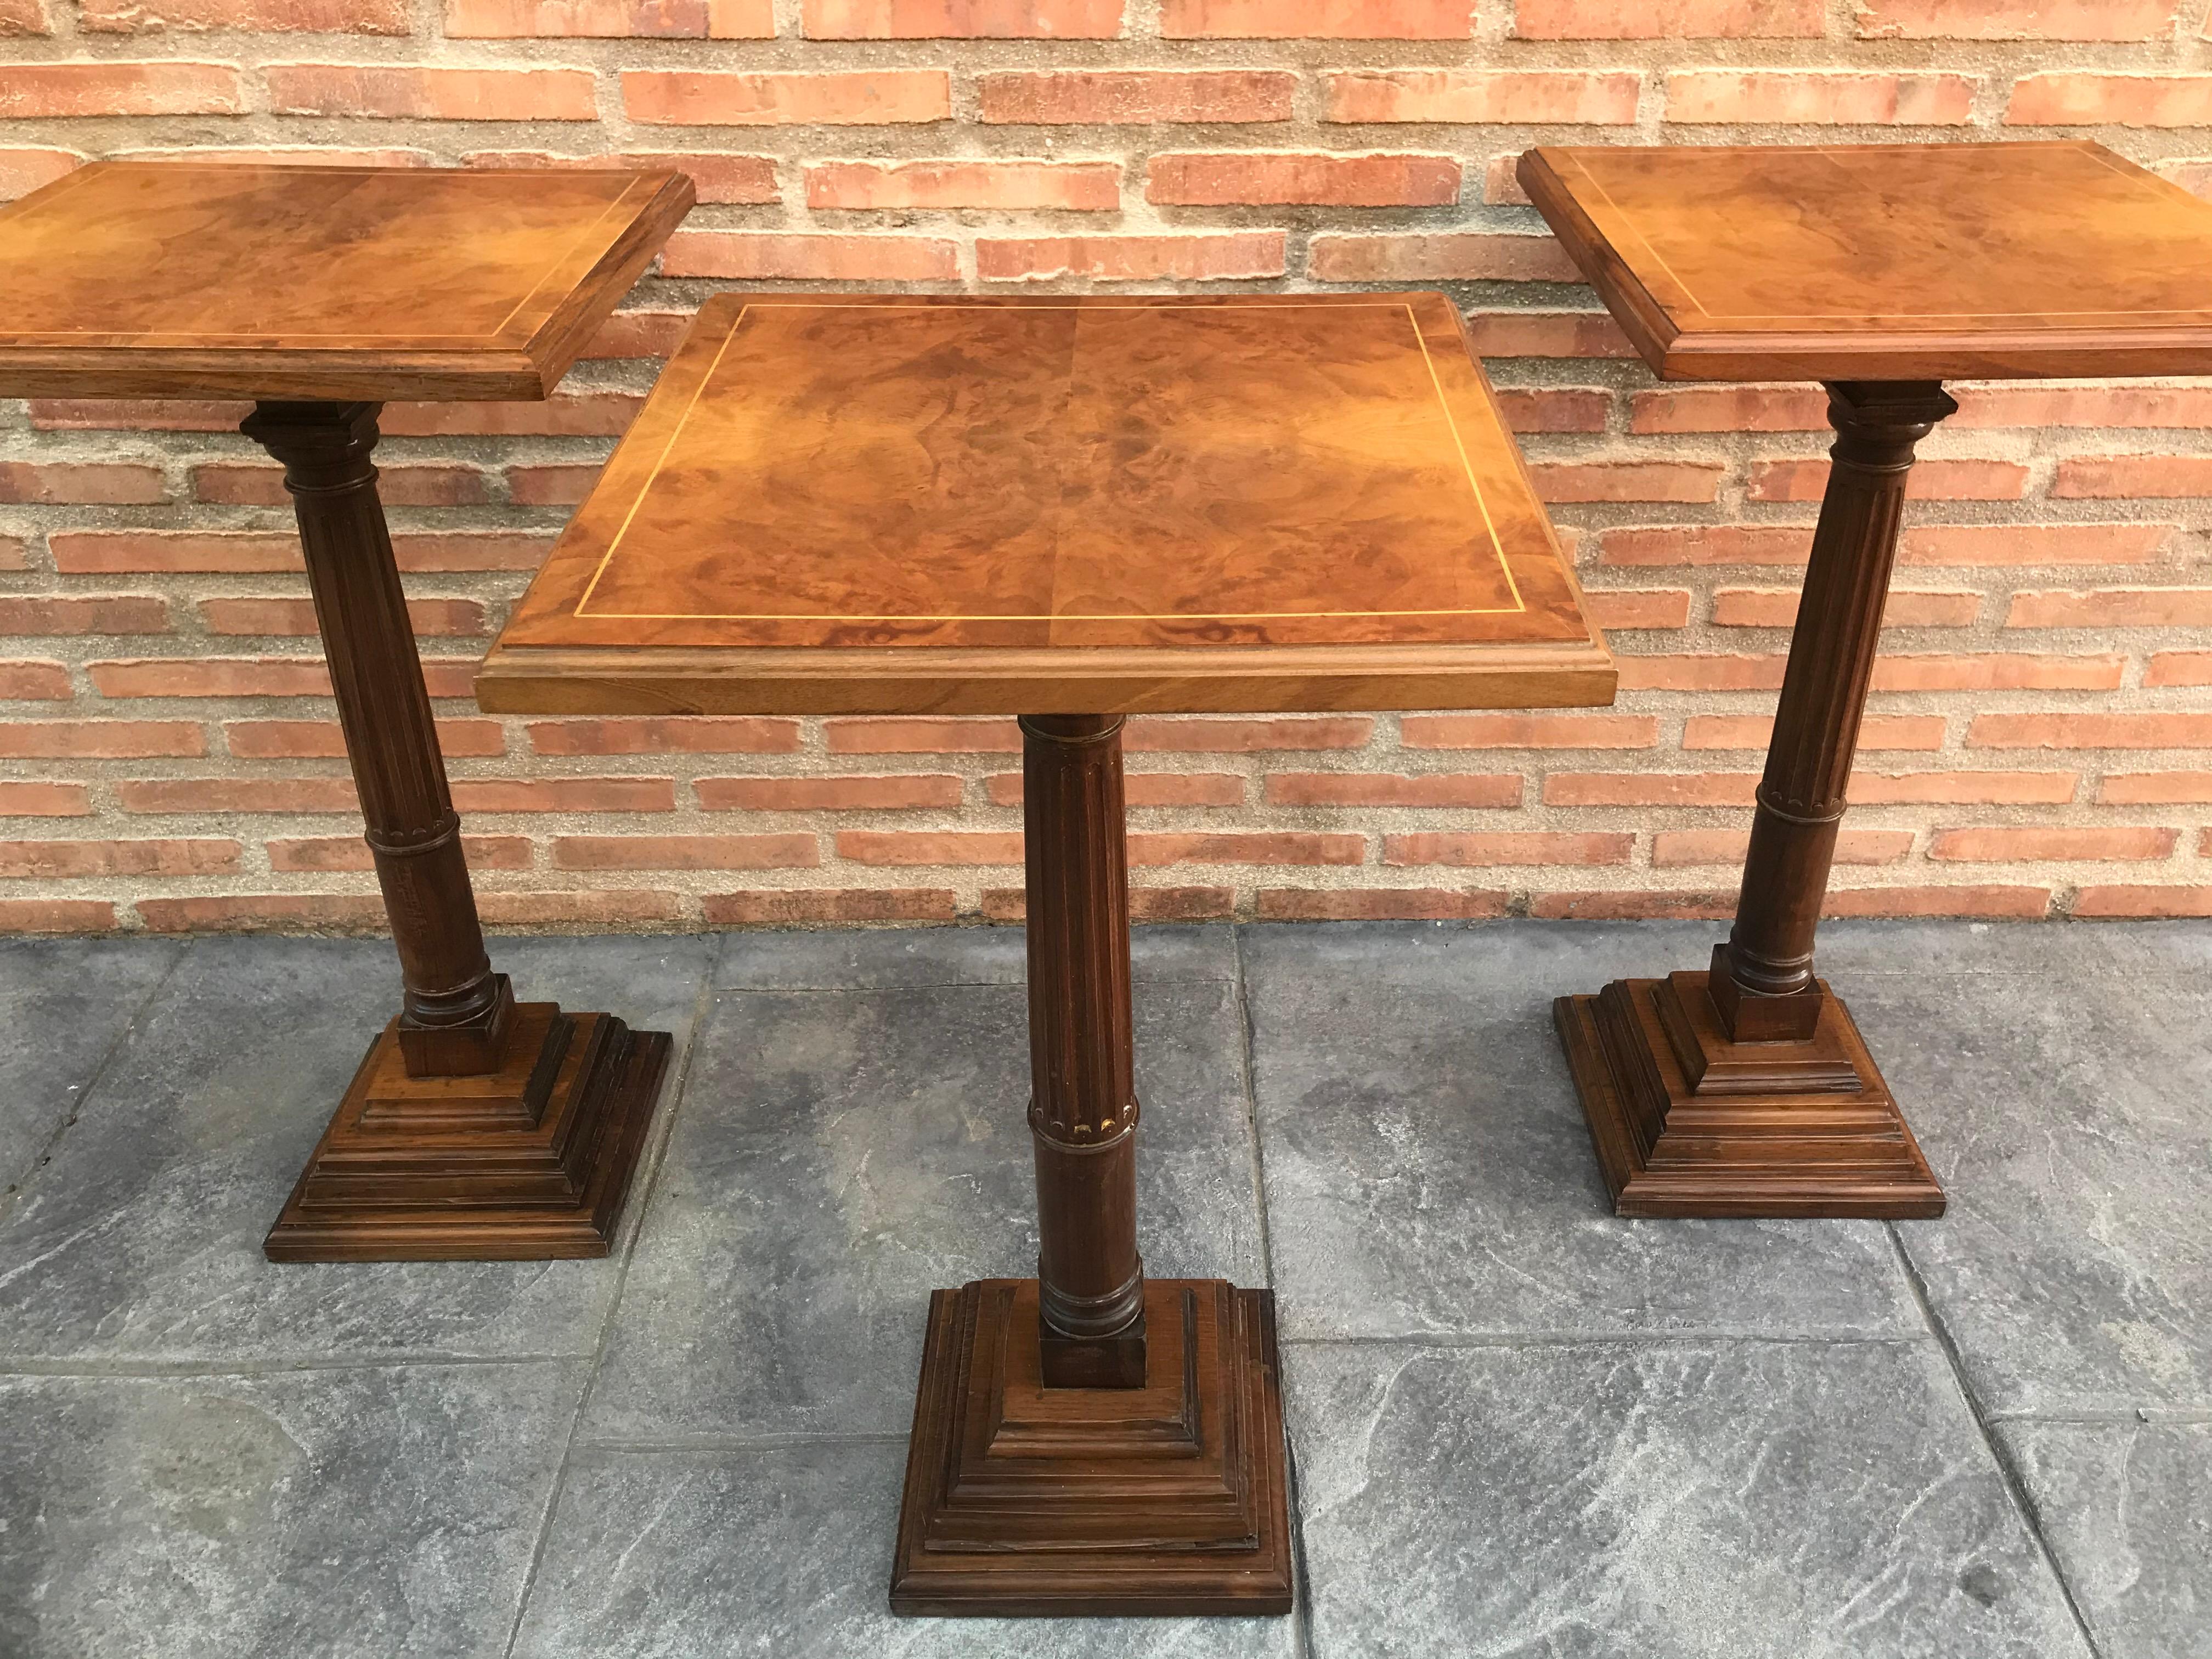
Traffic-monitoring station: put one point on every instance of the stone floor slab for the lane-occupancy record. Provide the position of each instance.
(64, 1003)
(880, 958)
(2067, 1121)
(2127, 1507)
(140, 1239)
(840, 1154)
(1673, 1500)
(787, 1552)
(294, 1514)
(1429, 1173)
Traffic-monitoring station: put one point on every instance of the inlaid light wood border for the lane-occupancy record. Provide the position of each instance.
(1428, 359)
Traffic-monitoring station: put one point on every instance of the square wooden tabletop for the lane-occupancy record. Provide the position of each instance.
(181, 279)
(899, 503)
(1886, 261)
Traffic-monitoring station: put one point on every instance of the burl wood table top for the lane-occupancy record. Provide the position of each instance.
(175, 279)
(895, 503)
(1888, 261)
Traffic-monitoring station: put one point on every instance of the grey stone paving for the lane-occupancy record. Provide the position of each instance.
(1521, 1426)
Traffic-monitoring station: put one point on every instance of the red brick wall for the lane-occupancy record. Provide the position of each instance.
(2041, 738)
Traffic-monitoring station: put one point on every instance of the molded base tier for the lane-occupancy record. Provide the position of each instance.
(1168, 1498)
(525, 1164)
(1768, 1129)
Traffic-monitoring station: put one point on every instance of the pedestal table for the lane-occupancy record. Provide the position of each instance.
(1880, 271)
(1068, 509)
(477, 1126)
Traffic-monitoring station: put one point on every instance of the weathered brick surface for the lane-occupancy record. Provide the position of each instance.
(2039, 741)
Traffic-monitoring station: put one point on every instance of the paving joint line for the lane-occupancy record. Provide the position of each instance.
(2015, 1487)
(94, 1370)
(648, 1180)
(1446, 1341)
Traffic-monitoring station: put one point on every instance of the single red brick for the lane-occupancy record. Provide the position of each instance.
(1246, 846)
(2114, 607)
(1628, 906)
(123, 552)
(1707, 670)
(929, 846)
(1807, 480)
(268, 16)
(2107, 477)
(24, 170)
(1668, 20)
(1882, 732)
(1997, 671)
(1135, 97)
(1529, 731)
(684, 852)
(211, 677)
(1776, 607)
(56, 915)
(1729, 409)
(2134, 101)
(2012, 903)
(2178, 668)
(1548, 334)
(1380, 904)
(256, 913)
(1146, 904)
(274, 617)
(2142, 901)
(1510, 97)
(1454, 256)
(322, 740)
(1707, 544)
(1334, 20)
(900, 790)
(1628, 481)
(45, 800)
(715, 176)
(2105, 844)
(1076, 186)
(1818, 98)
(598, 906)
(2014, 19)
(1555, 409)
(1512, 847)
(1172, 734)
(1192, 258)
(831, 907)
(475, 550)
(33, 682)
(1143, 789)
(552, 485)
(315, 853)
(99, 739)
(927, 20)
(1648, 608)
(392, 92)
(564, 414)
(302, 156)
(664, 19)
(762, 255)
(1673, 848)
(186, 795)
(67, 860)
(121, 613)
(2155, 788)
(50, 91)
(1231, 178)
(1379, 789)
(682, 734)
(565, 794)
(2098, 731)
(69, 484)
(2039, 406)
(708, 98)
(1649, 788)
(922, 736)
(1964, 788)
(2034, 544)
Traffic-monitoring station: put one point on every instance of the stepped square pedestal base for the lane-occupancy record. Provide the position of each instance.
(1169, 1499)
(1687, 1123)
(528, 1161)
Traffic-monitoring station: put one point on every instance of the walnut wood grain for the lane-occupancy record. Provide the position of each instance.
(1887, 262)
(176, 279)
(902, 504)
